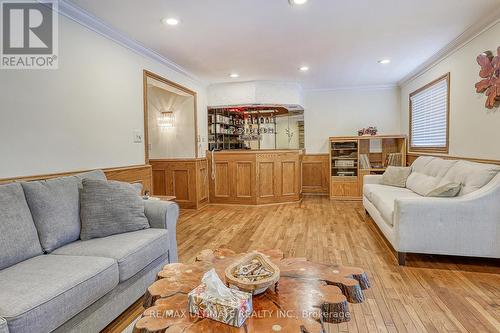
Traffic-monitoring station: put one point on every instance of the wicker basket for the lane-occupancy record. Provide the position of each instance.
(254, 273)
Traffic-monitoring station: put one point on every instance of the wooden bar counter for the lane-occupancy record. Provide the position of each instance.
(255, 177)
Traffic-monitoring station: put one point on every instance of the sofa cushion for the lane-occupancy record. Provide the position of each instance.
(109, 208)
(133, 250)
(471, 175)
(40, 294)
(427, 172)
(55, 207)
(383, 197)
(18, 237)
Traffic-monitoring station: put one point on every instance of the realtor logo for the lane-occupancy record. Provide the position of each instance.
(29, 34)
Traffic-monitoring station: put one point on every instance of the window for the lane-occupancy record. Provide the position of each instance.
(429, 117)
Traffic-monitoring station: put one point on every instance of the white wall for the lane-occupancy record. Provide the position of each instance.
(82, 115)
(474, 130)
(263, 92)
(343, 112)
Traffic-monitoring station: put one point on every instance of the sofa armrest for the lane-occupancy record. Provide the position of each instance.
(3, 326)
(372, 179)
(467, 225)
(164, 215)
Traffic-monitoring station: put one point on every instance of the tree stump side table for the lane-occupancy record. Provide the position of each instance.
(310, 295)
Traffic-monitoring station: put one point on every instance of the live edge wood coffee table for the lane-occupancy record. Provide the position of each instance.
(308, 296)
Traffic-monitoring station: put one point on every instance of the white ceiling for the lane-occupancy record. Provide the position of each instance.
(340, 41)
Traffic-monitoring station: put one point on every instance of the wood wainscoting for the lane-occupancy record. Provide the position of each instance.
(315, 174)
(411, 157)
(137, 174)
(186, 179)
(130, 174)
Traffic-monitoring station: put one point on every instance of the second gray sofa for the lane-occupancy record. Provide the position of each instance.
(53, 282)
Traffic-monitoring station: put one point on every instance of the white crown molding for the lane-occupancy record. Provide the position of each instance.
(91, 22)
(455, 45)
(365, 87)
(215, 83)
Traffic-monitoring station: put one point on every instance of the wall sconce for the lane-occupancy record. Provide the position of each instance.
(166, 119)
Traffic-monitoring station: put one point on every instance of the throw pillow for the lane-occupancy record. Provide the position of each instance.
(137, 187)
(445, 191)
(109, 208)
(395, 176)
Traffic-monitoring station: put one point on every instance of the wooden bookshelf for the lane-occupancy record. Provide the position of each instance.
(352, 158)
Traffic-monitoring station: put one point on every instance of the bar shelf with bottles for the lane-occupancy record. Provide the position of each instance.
(232, 128)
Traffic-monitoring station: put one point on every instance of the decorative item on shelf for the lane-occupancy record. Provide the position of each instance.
(289, 134)
(394, 159)
(364, 161)
(490, 74)
(254, 273)
(166, 119)
(344, 163)
(372, 130)
(212, 299)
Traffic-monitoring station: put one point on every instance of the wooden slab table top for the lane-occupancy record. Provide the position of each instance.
(308, 297)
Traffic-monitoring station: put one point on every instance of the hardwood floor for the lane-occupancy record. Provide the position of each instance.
(430, 294)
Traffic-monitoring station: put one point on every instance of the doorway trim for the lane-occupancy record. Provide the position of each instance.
(147, 74)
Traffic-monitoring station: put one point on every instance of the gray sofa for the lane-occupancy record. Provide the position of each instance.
(79, 286)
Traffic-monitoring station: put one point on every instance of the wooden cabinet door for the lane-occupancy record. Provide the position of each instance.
(243, 180)
(290, 177)
(222, 182)
(234, 179)
(181, 182)
(351, 190)
(267, 180)
(337, 189)
(177, 178)
(344, 189)
(278, 177)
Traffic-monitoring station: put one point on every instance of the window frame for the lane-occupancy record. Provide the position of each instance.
(431, 149)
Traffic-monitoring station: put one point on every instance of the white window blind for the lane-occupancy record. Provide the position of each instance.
(429, 116)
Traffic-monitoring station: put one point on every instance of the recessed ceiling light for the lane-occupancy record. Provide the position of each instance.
(304, 69)
(297, 2)
(170, 21)
(234, 75)
(384, 61)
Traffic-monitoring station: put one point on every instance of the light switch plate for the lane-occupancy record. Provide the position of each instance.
(137, 136)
